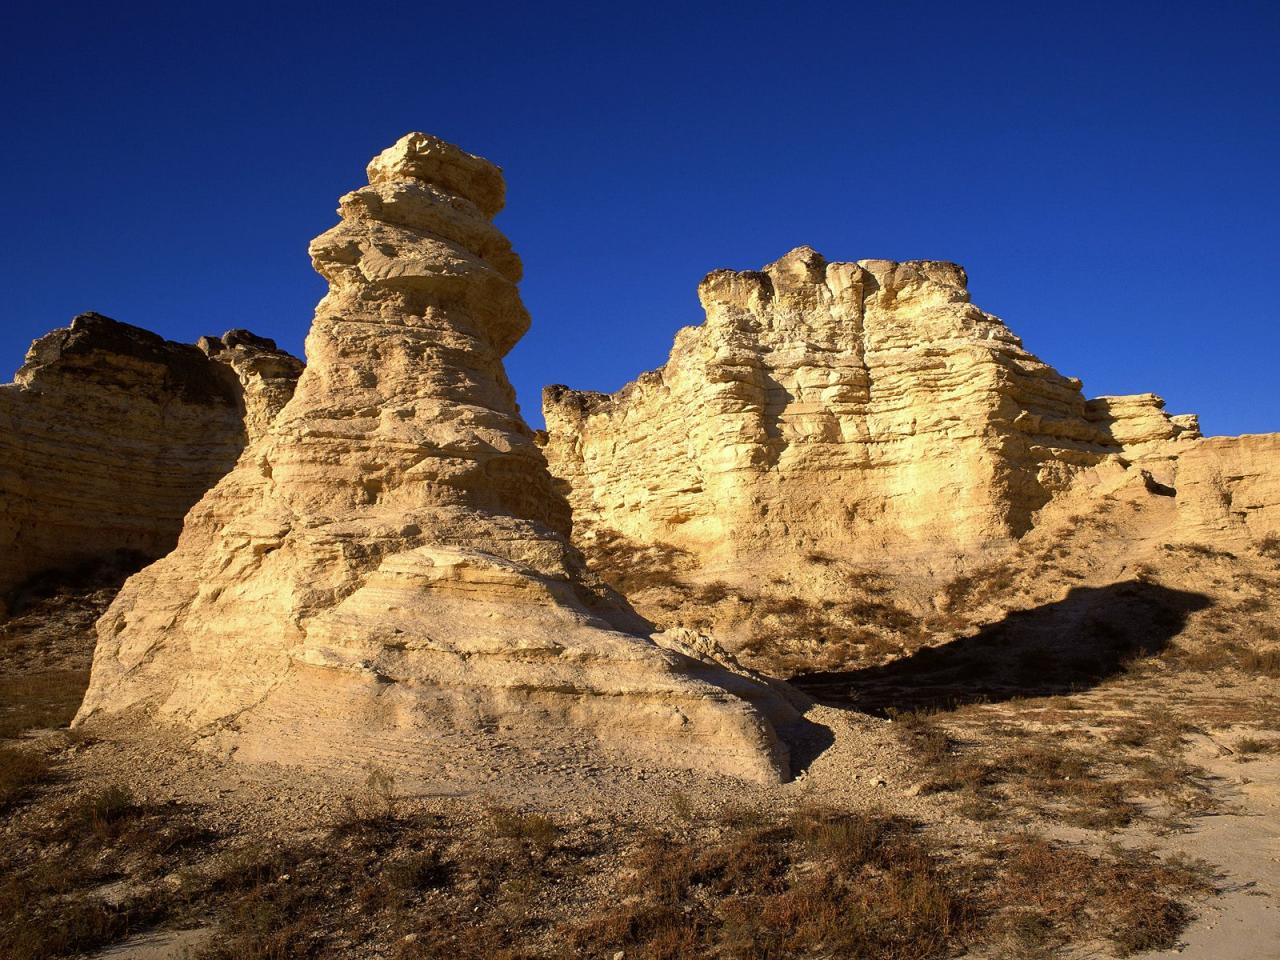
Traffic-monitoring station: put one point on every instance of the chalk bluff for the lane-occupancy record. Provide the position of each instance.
(385, 574)
(869, 412)
(109, 434)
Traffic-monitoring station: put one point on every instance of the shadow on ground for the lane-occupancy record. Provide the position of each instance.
(1064, 647)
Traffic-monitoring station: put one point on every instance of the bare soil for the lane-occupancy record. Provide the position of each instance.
(1082, 765)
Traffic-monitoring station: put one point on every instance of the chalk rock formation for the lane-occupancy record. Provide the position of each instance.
(385, 574)
(863, 411)
(110, 434)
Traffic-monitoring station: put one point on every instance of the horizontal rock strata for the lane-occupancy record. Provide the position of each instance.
(866, 411)
(386, 573)
(109, 434)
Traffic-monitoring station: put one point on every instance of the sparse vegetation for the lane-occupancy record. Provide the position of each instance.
(1056, 774)
(531, 830)
(51, 904)
(1200, 550)
(1254, 746)
(1011, 725)
(632, 568)
(972, 589)
(40, 700)
(21, 771)
(750, 883)
(1223, 655)
(1130, 897)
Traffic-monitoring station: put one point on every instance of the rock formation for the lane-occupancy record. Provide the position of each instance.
(110, 434)
(385, 574)
(869, 413)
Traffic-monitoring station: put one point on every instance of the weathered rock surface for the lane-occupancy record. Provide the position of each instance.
(386, 573)
(110, 434)
(869, 414)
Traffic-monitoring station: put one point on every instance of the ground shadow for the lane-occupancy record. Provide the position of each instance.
(1063, 647)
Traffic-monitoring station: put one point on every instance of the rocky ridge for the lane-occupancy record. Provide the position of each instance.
(869, 416)
(385, 576)
(109, 434)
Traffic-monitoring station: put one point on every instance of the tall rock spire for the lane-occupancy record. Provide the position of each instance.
(387, 568)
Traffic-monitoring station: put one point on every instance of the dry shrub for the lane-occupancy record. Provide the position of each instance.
(270, 922)
(830, 883)
(752, 885)
(1085, 781)
(931, 746)
(1132, 898)
(1251, 746)
(632, 568)
(843, 884)
(716, 592)
(532, 830)
(1263, 663)
(1200, 550)
(1224, 655)
(1132, 733)
(418, 871)
(21, 771)
(48, 902)
(101, 814)
(979, 586)
(74, 927)
(40, 700)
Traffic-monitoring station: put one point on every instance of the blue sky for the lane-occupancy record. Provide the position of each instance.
(1107, 173)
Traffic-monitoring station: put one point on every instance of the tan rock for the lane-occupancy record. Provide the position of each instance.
(386, 569)
(867, 414)
(838, 405)
(1228, 488)
(109, 434)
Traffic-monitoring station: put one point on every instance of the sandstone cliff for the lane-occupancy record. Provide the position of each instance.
(865, 414)
(385, 576)
(109, 434)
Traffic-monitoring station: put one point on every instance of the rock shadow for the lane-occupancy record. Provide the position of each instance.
(1064, 647)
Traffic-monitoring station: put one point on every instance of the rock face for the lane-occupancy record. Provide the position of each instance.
(385, 576)
(869, 412)
(110, 434)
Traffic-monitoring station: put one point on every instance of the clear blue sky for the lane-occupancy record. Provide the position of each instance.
(1107, 172)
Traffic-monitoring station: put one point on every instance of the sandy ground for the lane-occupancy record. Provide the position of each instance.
(1244, 922)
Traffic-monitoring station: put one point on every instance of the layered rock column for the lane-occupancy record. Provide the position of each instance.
(387, 568)
(109, 434)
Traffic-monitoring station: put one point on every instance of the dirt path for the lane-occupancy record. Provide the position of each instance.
(1244, 841)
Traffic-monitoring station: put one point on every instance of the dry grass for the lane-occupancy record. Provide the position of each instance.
(847, 884)
(1199, 550)
(790, 635)
(979, 586)
(1006, 765)
(21, 771)
(829, 883)
(40, 700)
(1131, 898)
(784, 633)
(1223, 655)
(50, 904)
(750, 884)
(1249, 747)
(532, 830)
(632, 569)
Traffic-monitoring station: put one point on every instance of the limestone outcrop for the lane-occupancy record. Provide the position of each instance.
(868, 414)
(385, 575)
(109, 434)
